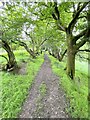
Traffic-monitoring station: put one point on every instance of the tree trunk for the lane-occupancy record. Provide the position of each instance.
(27, 49)
(70, 63)
(30, 52)
(70, 57)
(12, 64)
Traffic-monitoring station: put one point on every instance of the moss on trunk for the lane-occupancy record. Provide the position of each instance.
(71, 52)
(12, 64)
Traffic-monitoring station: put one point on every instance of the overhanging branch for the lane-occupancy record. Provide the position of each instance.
(25, 46)
(73, 22)
(56, 17)
(75, 38)
(85, 50)
(81, 43)
(82, 17)
(82, 57)
(44, 41)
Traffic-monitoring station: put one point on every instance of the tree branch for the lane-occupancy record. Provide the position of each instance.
(64, 52)
(73, 22)
(56, 17)
(28, 34)
(25, 46)
(74, 12)
(75, 38)
(83, 57)
(44, 41)
(62, 55)
(86, 50)
(60, 26)
(4, 57)
(81, 43)
(82, 17)
(78, 7)
(56, 10)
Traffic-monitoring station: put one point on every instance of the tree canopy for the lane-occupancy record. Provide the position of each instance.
(60, 28)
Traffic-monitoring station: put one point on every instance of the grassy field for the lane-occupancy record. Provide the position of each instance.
(15, 87)
(76, 90)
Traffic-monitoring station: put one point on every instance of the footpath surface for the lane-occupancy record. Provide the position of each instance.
(50, 105)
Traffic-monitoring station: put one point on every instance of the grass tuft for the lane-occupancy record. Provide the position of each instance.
(43, 89)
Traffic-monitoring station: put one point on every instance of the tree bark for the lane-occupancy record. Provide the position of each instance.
(70, 63)
(12, 64)
(71, 52)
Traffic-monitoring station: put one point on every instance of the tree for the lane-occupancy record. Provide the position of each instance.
(5, 35)
(13, 20)
(70, 18)
(11, 61)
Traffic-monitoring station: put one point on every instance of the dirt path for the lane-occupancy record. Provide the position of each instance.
(52, 104)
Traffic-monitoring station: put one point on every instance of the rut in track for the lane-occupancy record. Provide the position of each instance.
(53, 103)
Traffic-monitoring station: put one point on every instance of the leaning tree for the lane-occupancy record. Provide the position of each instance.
(6, 34)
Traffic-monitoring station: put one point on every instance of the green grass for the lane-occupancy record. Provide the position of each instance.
(43, 89)
(15, 87)
(19, 55)
(39, 102)
(76, 90)
(82, 67)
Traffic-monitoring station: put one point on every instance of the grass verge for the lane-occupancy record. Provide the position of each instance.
(15, 88)
(76, 90)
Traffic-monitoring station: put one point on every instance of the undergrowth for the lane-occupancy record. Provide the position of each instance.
(76, 90)
(15, 87)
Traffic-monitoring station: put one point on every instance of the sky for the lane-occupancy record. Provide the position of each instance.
(59, 1)
(0, 3)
